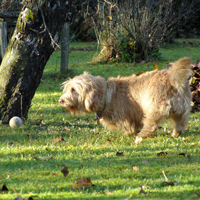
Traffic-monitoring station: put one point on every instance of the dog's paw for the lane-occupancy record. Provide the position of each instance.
(138, 140)
(176, 133)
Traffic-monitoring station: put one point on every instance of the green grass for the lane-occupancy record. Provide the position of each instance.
(89, 150)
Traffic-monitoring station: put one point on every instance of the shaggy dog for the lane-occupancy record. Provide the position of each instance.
(134, 104)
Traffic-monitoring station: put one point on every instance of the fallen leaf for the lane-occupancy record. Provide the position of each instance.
(110, 193)
(81, 183)
(194, 145)
(64, 170)
(108, 140)
(181, 154)
(135, 168)
(162, 154)
(142, 190)
(155, 66)
(58, 139)
(43, 158)
(167, 181)
(119, 153)
(3, 188)
(66, 128)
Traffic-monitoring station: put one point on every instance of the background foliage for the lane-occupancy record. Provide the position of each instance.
(132, 31)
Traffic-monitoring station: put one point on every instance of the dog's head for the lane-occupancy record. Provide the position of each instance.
(83, 93)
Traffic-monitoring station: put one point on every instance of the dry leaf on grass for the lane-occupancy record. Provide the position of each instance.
(181, 154)
(3, 188)
(110, 193)
(167, 181)
(194, 145)
(142, 190)
(58, 139)
(162, 154)
(135, 168)
(66, 128)
(64, 170)
(82, 183)
(108, 140)
(119, 153)
(10, 143)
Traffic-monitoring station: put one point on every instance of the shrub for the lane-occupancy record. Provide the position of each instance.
(132, 30)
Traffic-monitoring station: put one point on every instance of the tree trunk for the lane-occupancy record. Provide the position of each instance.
(37, 31)
(64, 47)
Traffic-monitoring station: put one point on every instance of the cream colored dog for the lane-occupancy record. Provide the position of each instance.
(134, 104)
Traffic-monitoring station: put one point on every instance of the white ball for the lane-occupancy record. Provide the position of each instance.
(15, 122)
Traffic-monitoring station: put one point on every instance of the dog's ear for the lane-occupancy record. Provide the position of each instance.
(92, 101)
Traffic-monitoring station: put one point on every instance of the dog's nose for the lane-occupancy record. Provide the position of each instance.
(61, 101)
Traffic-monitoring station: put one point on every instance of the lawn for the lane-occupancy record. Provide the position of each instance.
(32, 156)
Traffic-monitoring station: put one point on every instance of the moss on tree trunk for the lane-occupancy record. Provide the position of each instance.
(38, 27)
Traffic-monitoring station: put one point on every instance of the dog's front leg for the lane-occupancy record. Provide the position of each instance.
(147, 129)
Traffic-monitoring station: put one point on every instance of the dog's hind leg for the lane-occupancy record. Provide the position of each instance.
(180, 122)
(148, 128)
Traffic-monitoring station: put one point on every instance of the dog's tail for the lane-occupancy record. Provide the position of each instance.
(180, 72)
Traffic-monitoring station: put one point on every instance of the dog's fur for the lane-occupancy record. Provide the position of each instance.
(134, 103)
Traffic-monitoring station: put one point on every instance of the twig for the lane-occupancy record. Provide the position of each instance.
(35, 112)
(165, 175)
(52, 40)
(46, 29)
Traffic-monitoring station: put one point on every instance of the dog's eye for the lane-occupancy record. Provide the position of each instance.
(73, 90)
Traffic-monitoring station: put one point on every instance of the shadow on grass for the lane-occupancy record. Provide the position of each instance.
(104, 160)
(98, 158)
(104, 193)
